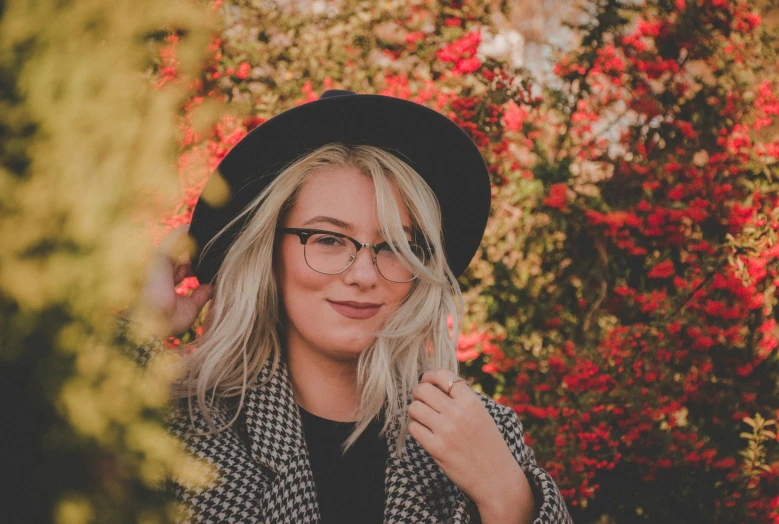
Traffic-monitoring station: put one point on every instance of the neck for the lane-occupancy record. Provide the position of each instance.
(322, 385)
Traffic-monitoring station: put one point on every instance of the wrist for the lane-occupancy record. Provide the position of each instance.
(511, 501)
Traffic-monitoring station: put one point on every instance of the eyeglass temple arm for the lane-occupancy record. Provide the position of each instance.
(303, 236)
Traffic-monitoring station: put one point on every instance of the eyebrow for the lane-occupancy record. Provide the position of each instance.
(340, 223)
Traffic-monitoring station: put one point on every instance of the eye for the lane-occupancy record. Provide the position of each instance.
(328, 240)
(416, 249)
(383, 249)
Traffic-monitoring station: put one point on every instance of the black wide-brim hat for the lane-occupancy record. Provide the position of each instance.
(437, 148)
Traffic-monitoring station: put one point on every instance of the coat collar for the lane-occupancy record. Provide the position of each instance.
(414, 485)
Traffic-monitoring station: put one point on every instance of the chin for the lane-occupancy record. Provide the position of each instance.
(352, 345)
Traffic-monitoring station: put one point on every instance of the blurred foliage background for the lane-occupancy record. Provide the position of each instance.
(87, 158)
(623, 301)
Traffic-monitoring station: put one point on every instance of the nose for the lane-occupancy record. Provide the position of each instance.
(363, 270)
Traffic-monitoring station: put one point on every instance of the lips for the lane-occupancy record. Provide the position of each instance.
(357, 310)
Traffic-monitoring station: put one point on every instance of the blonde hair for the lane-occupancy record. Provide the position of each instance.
(242, 329)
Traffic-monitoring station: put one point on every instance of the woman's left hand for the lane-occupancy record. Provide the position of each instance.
(461, 435)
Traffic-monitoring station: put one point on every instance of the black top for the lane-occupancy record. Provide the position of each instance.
(349, 488)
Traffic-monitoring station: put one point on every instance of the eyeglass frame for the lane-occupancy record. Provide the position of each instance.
(305, 233)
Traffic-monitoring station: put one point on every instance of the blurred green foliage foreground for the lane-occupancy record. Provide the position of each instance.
(82, 130)
(624, 302)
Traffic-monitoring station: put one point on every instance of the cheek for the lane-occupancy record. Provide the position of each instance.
(395, 294)
(399, 292)
(296, 280)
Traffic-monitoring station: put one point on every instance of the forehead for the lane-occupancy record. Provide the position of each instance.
(344, 194)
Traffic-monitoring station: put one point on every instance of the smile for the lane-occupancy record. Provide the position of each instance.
(358, 312)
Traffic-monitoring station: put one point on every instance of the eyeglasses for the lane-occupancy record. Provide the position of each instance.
(332, 253)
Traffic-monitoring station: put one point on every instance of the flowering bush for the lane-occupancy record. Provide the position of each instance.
(623, 299)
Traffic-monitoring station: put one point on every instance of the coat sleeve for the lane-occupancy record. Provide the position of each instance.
(550, 505)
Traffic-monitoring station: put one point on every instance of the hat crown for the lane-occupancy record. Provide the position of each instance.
(332, 93)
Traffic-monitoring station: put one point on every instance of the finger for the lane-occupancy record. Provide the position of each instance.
(424, 414)
(171, 237)
(201, 295)
(176, 249)
(432, 396)
(159, 277)
(182, 272)
(422, 434)
(178, 245)
(440, 378)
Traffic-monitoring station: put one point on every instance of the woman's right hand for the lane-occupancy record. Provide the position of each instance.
(158, 307)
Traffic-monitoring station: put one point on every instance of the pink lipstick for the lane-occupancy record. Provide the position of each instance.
(357, 310)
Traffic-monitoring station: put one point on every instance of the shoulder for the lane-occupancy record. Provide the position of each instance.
(503, 415)
(494, 407)
(510, 426)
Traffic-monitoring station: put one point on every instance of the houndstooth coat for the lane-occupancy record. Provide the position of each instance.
(259, 469)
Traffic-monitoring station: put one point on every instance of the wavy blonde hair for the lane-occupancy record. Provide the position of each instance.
(243, 324)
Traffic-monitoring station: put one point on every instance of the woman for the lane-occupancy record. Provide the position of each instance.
(324, 387)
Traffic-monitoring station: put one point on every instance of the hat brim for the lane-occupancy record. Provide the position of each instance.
(437, 148)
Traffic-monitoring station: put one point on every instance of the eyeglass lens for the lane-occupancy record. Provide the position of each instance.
(331, 254)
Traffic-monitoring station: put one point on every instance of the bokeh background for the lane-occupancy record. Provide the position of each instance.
(623, 301)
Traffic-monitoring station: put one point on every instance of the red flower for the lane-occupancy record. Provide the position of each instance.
(686, 129)
(745, 370)
(461, 52)
(243, 70)
(662, 270)
(557, 364)
(414, 37)
(467, 65)
(558, 197)
(513, 116)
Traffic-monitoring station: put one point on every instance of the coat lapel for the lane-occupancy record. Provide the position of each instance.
(277, 442)
(416, 488)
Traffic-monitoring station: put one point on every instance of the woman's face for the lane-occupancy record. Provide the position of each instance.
(341, 200)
